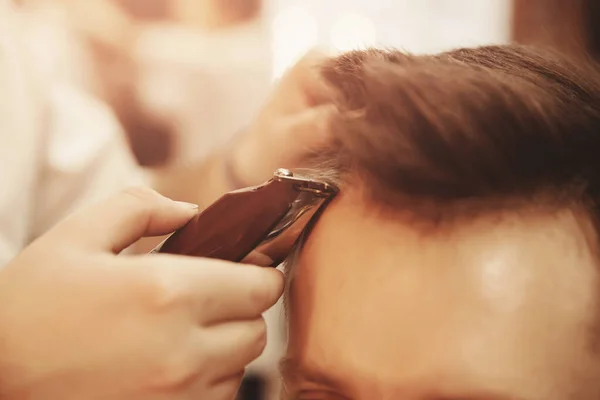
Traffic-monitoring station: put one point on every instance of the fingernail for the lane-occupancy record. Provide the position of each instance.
(188, 205)
(257, 258)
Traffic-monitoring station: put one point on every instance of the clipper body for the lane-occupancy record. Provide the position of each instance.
(259, 224)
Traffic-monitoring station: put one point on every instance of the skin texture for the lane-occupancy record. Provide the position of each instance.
(499, 307)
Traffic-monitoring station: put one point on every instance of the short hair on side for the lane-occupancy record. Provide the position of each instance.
(486, 127)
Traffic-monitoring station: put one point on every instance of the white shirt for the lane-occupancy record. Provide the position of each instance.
(59, 149)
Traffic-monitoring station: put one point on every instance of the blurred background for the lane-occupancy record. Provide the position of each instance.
(182, 77)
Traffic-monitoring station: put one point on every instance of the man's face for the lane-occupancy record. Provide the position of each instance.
(498, 309)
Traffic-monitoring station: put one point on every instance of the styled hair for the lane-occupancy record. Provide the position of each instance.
(467, 131)
(485, 127)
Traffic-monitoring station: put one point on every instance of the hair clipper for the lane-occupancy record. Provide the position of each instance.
(259, 225)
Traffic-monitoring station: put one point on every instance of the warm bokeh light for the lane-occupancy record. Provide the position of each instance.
(295, 31)
(352, 30)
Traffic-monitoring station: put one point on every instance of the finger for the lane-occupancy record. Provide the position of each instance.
(226, 389)
(299, 135)
(120, 221)
(257, 258)
(310, 129)
(230, 347)
(219, 291)
(308, 72)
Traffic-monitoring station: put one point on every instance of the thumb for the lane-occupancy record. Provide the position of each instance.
(120, 221)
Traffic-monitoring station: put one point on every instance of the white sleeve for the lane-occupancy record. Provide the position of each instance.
(20, 116)
(85, 157)
(59, 149)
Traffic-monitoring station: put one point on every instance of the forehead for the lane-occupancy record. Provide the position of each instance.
(497, 303)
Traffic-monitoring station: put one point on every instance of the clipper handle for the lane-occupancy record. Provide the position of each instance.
(233, 226)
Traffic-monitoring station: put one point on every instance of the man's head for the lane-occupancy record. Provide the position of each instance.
(460, 260)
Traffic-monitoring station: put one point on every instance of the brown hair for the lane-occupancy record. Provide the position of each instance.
(479, 125)
(462, 132)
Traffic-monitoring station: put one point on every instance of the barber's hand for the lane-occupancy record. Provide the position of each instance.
(292, 123)
(79, 322)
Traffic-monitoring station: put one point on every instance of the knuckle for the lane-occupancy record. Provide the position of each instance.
(208, 304)
(265, 290)
(165, 293)
(177, 371)
(259, 296)
(259, 341)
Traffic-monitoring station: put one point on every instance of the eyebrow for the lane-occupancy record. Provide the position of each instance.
(291, 368)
